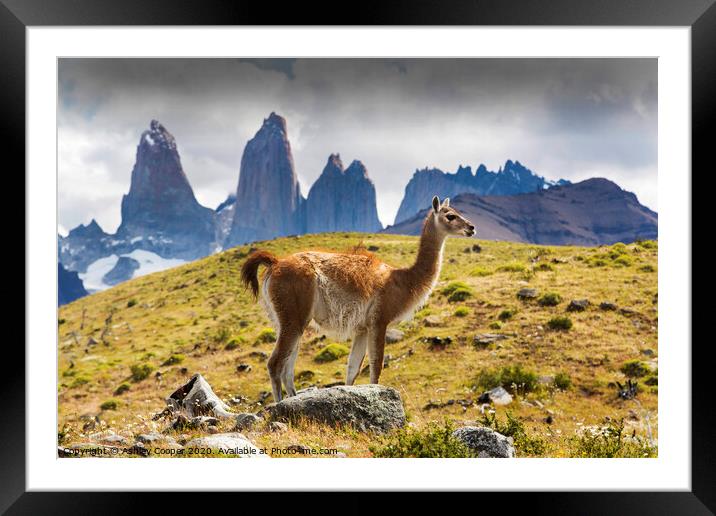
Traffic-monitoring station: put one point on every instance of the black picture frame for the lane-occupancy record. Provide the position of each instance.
(700, 15)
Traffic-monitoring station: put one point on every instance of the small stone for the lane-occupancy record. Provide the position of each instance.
(393, 335)
(647, 352)
(261, 355)
(476, 248)
(278, 426)
(432, 321)
(496, 396)
(150, 438)
(527, 293)
(482, 340)
(487, 442)
(578, 305)
(545, 380)
(607, 306)
(438, 343)
(243, 368)
(246, 421)
(305, 376)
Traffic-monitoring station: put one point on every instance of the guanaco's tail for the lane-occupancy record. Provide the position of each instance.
(250, 269)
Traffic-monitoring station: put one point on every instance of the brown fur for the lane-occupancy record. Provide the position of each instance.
(390, 293)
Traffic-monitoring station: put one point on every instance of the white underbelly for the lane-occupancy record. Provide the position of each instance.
(338, 313)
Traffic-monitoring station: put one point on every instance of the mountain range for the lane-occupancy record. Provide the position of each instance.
(163, 224)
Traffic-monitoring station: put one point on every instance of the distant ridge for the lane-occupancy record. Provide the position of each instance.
(589, 213)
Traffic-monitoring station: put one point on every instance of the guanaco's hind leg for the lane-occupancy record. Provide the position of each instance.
(288, 370)
(376, 347)
(355, 359)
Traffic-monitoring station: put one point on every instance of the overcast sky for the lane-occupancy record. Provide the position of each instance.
(562, 118)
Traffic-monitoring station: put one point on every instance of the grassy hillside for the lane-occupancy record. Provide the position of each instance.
(127, 348)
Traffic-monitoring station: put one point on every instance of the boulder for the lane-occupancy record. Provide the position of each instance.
(496, 396)
(368, 408)
(232, 443)
(527, 293)
(578, 305)
(482, 340)
(246, 421)
(432, 321)
(487, 442)
(607, 306)
(196, 398)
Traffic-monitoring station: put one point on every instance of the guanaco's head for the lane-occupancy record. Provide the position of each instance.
(449, 220)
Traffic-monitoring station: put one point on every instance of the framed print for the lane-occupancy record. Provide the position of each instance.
(443, 249)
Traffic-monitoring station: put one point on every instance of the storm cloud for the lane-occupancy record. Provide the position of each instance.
(563, 118)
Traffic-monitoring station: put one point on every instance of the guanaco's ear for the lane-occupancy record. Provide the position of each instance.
(436, 204)
(446, 202)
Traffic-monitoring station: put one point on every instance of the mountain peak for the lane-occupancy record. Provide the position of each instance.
(157, 137)
(357, 169)
(276, 122)
(334, 165)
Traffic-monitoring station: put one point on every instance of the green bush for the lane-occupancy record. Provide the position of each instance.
(61, 321)
(596, 262)
(79, 381)
(549, 299)
(647, 244)
(634, 369)
(459, 295)
(174, 359)
(121, 389)
(513, 427)
(647, 268)
(562, 381)
(623, 261)
(331, 352)
(266, 335)
(434, 441)
(131, 303)
(461, 311)
(506, 314)
(512, 267)
(617, 250)
(234, 343)
(561, 322)
(109, 405)
(609, 442)
(480, 272)
(512, 378)
(141, 371)
(222, 335)
(495, 325)
(453, 286)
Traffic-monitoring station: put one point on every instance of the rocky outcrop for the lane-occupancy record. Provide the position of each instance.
(268, 198)
(160, 213)
(83, 245)
(590, 213)
(486, 442)
(513, 178)
(69, 286)
(122, 271)
(369, 408)
(342, 200)
(224, 216)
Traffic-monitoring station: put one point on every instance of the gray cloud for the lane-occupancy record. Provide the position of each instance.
(564, 118)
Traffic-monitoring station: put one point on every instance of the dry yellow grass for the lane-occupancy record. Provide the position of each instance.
(192, 312)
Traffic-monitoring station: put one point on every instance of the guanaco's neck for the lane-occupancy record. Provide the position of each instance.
(426, 268)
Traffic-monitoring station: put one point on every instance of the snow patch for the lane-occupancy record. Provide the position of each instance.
(148, 263)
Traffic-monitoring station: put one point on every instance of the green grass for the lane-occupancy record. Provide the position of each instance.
(610, 441)
(201, 320)
(560, 323)
(141, 371)
(512, 267)
(634, 369)
(434, 441)
(461, 311)
(549, 299)
(266, 335)
(513, 378)
(332, 352)
(109, 405)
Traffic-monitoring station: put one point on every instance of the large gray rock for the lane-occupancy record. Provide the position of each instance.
(486, 442)
(232, 443)
(197, 398)
(369, 408)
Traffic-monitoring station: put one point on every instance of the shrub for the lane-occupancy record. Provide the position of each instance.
(495, 325)
(512, 267)
(453, 286)
(623, 261)
(61, 321)
(596, 262)
(480, 272)
(647, 268)
(512, 378)
(506, 314)
(222, 334)
(562, 381)
(609, 442)
(109, 405)
(459, 295)
(461, 311)
(131, 303)
(647, 244)
(123, 387)
(266, 335)
(617, 250)
(561, 322)
(513, 427)
(634, 369)
(549, 299)
(174, 359)
(141, 371)
(234, 343)
(434, 441)
(80, 381)
(331, 352)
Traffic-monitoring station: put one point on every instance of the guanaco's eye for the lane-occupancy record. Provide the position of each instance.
(450, 217)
